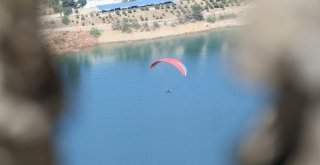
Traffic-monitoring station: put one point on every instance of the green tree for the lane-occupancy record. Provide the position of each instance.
(57, 8)
(65, 20)
(82, 2)
(67, 11)
(50, 3)
(197, 12)
(68, 3)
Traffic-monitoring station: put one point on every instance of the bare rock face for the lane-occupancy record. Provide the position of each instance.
(281, 47)
(30, 96)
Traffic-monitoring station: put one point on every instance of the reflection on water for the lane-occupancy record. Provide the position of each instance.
(119, 114)
(192, 45)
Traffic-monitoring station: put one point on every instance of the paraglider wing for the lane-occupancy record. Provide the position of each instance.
(176, 63)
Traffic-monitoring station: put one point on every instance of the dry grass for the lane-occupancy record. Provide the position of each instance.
(91, 17)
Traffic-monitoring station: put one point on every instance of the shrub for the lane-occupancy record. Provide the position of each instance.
(141, 18)
(125, 27)
(182, 19)
(135, 24)
(65, 20)
(67, 11)
(146, 27)
(216, 5)
(95, 32)
(197, 12)
(156, 25)
(211, 18)
(227, 16)
(116, 26)
(125, 20)
(57, 8)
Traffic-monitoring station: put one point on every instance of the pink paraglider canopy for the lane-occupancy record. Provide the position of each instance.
(176, 63)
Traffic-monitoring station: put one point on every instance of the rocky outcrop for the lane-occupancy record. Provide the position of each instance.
(66, 42)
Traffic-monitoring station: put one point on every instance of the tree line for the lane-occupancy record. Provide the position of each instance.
(64, 6)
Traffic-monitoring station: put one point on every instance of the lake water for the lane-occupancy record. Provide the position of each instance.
(118, 112)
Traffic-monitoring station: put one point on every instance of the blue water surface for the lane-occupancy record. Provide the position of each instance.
(118, 113)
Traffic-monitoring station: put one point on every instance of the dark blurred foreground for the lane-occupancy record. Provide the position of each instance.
(280, 47)
(29, 93)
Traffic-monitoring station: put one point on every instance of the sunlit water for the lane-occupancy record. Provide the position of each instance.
(118, 112)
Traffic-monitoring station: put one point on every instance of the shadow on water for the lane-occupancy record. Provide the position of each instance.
(152, 49)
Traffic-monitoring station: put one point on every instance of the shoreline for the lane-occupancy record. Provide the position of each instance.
(82, 40)
(179, 33)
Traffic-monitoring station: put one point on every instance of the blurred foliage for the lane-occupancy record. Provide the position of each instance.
(212, 18)
(65, 20)
(95, 32)
(197, 12)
